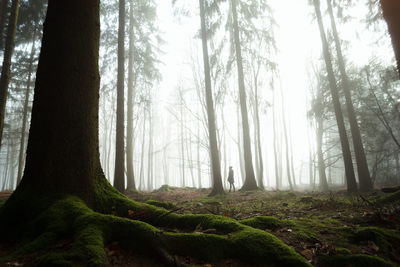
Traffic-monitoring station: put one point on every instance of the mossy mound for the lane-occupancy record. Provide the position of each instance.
(47, 219)
(355, 260)
(389, 199)
(267, 222)
(383, 238)
(165, 188)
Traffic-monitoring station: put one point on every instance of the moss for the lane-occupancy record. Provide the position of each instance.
(284, 195)
(383, 238)
(343, 251)
(91, 229)
(389, 199)
(266, 222)
(355, 260)
(161, 204)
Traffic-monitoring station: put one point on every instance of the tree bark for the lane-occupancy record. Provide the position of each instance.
(217, 187)
(5, 70)
(250, 181)
(119, 175)
(348, 164)
(63, 147)
(25, 112)
(131, 96)
(364, 177)
(3, 15)
(391, 11)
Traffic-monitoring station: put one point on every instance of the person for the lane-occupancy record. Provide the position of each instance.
(231, 180)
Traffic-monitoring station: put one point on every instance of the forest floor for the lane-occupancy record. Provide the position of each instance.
(315, 224)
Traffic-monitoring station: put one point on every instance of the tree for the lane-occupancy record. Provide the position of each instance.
(5, 71)
(349, 169)
(364, 177)
(119, 175)
(64, 192)
(217, 187)
(131, 96)
(3, 15)
(391, 10)
(250, 181)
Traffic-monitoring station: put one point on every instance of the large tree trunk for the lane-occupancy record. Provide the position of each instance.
(391, 11)
(348, 163)
(131, 96)
(5, 70)
(63, 148)
(217, 187)
(364, 177)
(21, 160)
(250, 181)
(119, 175)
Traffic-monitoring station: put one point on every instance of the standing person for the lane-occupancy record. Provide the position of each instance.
(231, 180)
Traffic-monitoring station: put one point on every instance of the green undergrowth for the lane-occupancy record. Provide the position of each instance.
(162, 204)
(39, 222)
(354, 260)
(389, 199)
(267, 222)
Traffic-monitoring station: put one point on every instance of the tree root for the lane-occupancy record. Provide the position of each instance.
(134, 226)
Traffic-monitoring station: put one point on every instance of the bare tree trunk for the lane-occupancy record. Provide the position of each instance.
(119, 175)
(278, 179)
(150, 150)
(21, 160)
(321, 162)
(250, 181)
(291, 156)
(198, 155)
(3, 15)
(141, 185)
(217, 187)
(183, 184)
(110, 139)
(239, 143)
(391, 11)
(5, 70)
(285, 134)
(350, 177)
(364, 177)
(130, 177)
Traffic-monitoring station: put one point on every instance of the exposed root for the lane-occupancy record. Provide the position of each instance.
(134, 226)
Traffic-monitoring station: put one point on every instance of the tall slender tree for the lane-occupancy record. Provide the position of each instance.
(217, 187)
(131, 95)
(5, 70)
(344, 141)
(364, 177)
(119, 174)
(250, 181)
(3, 15)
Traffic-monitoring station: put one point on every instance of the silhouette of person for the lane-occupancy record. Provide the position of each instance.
(231, 180)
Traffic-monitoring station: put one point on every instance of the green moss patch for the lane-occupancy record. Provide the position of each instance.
(356, 260)
(267, 222)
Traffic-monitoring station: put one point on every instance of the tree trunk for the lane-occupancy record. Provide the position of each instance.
(285, 134)
(5, 70)
(217, 187)
(198, 155)
(119, 175)
(239, 143)
(391, 11)
(63, 147)
(250, 181)
(364, 177)
(321, 162)
(25, 112)
(278, 180)
(3, 15)
(348, 164)
(129, 125)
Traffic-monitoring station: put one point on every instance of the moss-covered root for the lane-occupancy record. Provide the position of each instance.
(355, 260)
(234, 239)
(91, 230)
